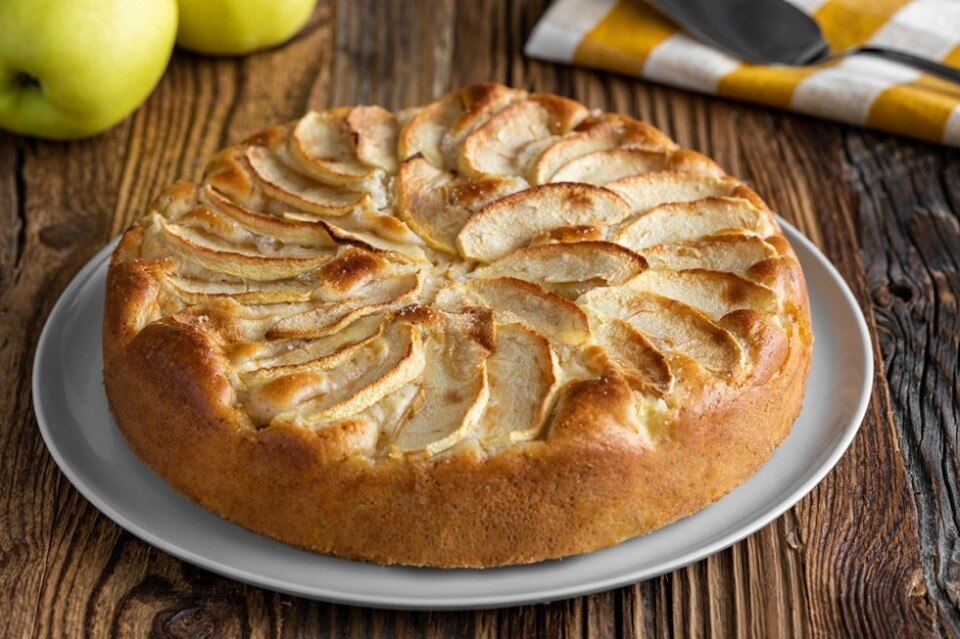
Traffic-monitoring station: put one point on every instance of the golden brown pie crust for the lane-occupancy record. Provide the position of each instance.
(623, 447)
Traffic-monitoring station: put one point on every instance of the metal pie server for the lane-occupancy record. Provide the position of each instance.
(775, 32)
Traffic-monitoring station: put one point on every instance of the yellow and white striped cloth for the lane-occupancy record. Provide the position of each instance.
(628, 36)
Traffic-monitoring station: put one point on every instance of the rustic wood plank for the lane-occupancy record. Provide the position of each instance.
(907, 221)
(51, 226)
(873, 550)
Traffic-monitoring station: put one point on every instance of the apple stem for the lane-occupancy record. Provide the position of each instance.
(26, 80)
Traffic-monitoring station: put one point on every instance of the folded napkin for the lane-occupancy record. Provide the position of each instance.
(628, 36)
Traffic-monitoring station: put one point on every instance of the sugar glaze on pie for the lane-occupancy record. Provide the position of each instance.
(497, 329)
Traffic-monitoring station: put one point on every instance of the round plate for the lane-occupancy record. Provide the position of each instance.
(77, 426)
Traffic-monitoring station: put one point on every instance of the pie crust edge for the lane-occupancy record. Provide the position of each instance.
(593, 486)
(594, 483)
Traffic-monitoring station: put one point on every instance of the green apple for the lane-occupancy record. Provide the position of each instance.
(235, 27)
(74, 68)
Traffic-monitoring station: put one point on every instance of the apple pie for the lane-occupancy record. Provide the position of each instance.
(497, 329)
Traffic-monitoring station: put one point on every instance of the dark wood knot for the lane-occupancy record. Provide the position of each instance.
(889, 293)
(195, 622)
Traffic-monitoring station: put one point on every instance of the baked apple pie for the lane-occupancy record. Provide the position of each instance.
(497, 329)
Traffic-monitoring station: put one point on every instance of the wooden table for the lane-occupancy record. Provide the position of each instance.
(873, 550)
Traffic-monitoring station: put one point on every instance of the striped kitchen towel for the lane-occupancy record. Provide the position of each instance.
(628, 36)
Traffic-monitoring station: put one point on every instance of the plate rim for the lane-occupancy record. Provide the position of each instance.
(475, 602)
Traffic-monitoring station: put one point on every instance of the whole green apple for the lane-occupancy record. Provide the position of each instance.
(234, 27)
(73, 68)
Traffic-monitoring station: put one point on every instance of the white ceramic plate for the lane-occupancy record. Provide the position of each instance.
(77, 426)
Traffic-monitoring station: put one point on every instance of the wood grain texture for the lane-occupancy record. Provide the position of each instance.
(872, 551)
